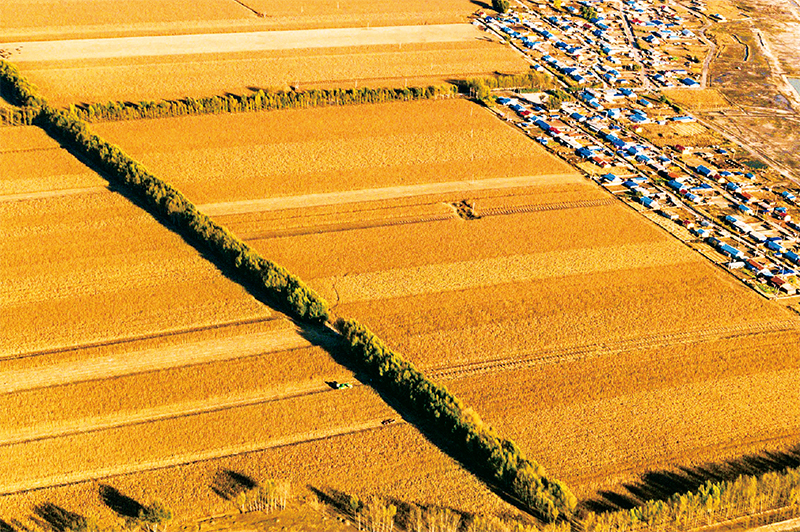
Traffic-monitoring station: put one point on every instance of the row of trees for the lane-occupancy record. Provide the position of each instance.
(16, 89)
(10, 116)
(481, 87)
(258, 101)
(478, 443)
(713, 502)
(265, 497)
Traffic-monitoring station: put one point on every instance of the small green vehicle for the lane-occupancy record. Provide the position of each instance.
(341, 385)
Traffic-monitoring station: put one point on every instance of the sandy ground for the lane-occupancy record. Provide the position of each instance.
(87, 49)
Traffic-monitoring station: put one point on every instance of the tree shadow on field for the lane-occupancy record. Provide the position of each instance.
(228, 484)
(58, 519)
(6, 527)
(482, 5)
(662, 484)
(123, 505)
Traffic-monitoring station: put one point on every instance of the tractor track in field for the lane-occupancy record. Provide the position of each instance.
(573, 353)
(44, 194)
(158, 358)
(491, 211)
(351, 226)
(131, 339)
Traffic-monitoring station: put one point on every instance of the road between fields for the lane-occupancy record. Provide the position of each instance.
(220, 43)
(379, 194)
(154, 359)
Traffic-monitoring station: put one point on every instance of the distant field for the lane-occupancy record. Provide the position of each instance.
(172, 77)
(31, 20)
(55, 19)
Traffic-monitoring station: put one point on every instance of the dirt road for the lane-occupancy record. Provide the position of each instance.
(85, 49)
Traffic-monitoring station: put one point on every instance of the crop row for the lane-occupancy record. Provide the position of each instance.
(258, 101)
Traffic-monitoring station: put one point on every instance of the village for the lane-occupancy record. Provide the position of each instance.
(613, 59)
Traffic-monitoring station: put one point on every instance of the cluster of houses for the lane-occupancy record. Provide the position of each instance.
(601, 50)
(660, 181)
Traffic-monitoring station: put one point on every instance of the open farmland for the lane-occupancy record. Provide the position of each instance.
(156, 67)
(520, 307)
(129, 357)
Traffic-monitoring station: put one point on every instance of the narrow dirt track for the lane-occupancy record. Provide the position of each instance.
(51, 194)
(155, 359)
(378, 194)
(216, 43)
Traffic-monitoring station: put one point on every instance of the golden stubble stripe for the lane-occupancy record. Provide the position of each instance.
(516, 268)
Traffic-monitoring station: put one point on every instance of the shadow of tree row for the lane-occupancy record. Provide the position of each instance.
(662, 484)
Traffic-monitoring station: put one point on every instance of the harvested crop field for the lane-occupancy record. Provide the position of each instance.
(550, 287)
(214, 64)
(127, 356)
(697, 99)
(249, 156)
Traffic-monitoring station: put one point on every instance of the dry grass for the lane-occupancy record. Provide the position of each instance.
(287, 153)
(153, 78)
(698, 99)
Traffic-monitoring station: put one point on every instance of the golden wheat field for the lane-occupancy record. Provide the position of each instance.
(601, 421)
(254, 156)
(698, 100)
(92, 267)
(171, 77)
(27, 20)
(390, 461)
(58, 19)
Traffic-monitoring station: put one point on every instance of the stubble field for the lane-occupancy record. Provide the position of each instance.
(552, 277)
(126, 355)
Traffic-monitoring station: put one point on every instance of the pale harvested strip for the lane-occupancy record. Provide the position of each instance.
(87, 49)
(379, 194)
(50, 193)
(191, 438)
(510, 269)
(41, 431)
(563, 315)
(155, 359)
(275, 373)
